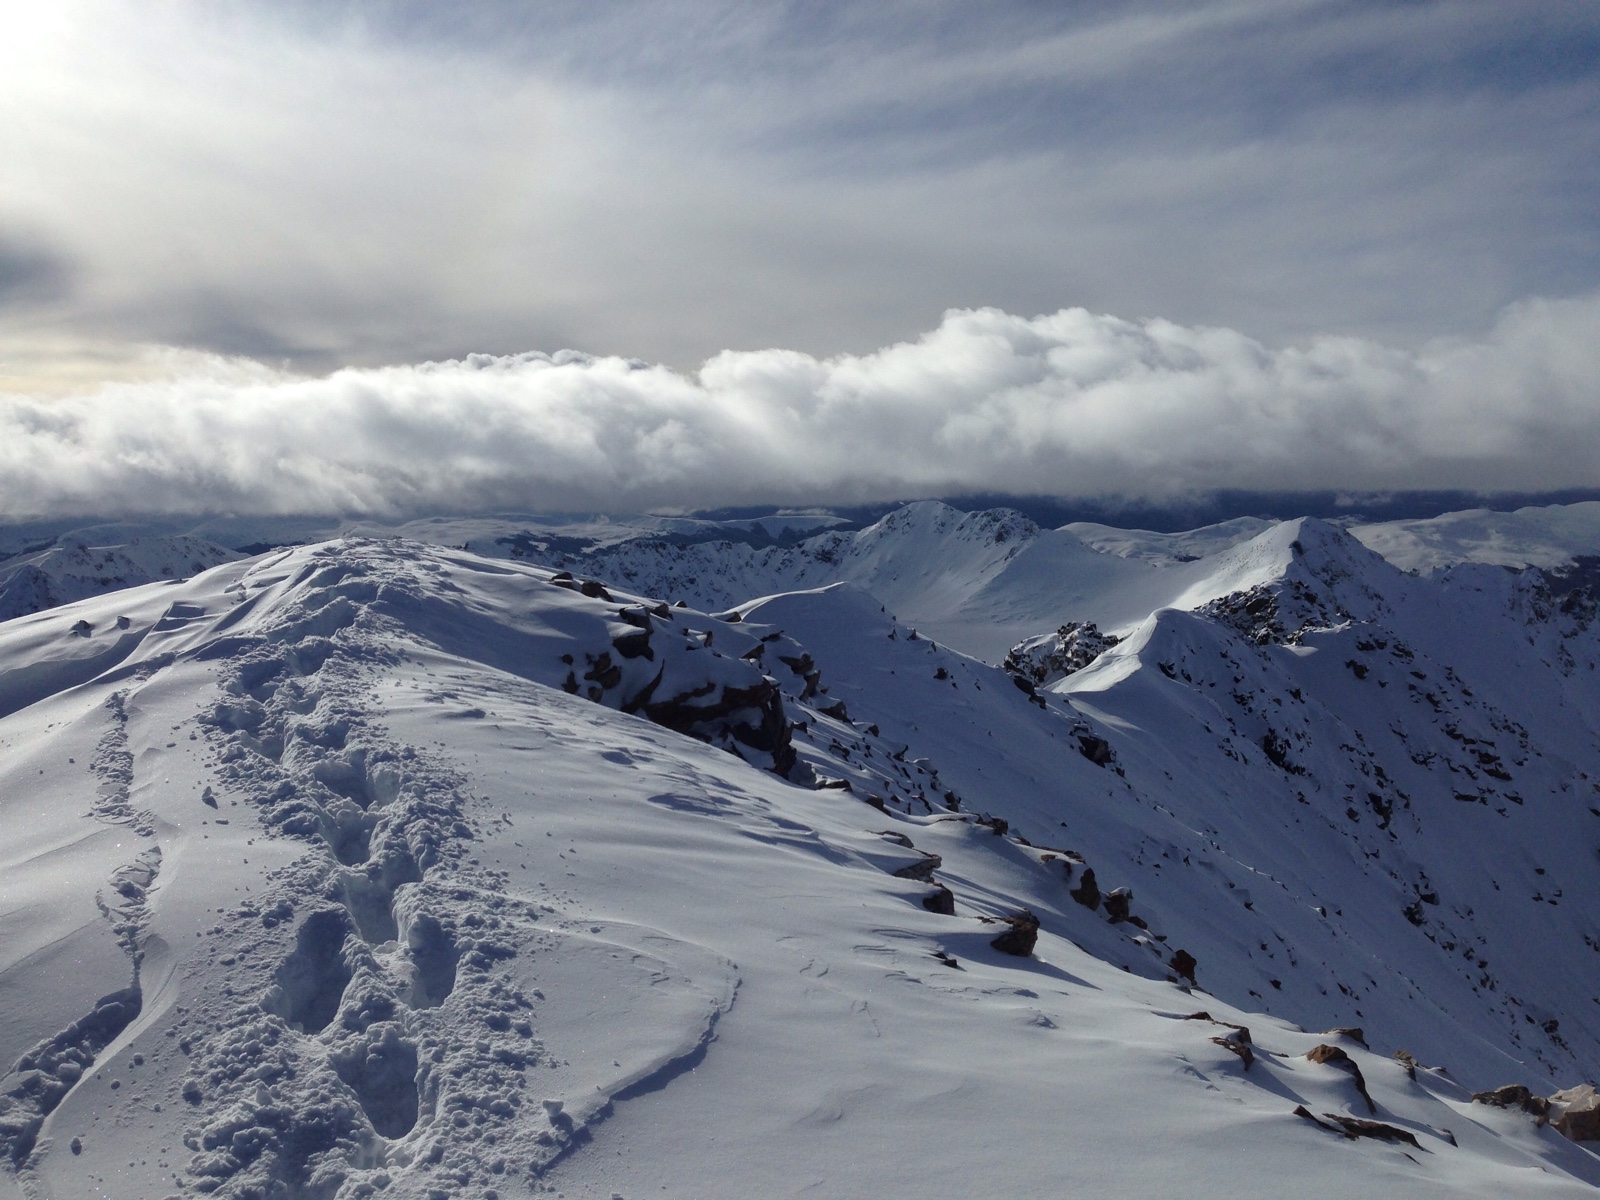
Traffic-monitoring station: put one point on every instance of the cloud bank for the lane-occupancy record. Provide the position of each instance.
(1068, 404)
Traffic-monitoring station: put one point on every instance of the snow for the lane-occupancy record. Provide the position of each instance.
(1548, 536)
(443, 874)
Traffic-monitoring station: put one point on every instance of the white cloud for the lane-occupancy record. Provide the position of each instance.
(1072, 403)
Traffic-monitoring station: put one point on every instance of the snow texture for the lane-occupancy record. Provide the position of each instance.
(378, 867)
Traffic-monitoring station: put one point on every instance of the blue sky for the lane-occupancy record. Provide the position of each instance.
(322, 185)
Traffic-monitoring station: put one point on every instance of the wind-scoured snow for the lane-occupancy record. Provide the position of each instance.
(372, 867)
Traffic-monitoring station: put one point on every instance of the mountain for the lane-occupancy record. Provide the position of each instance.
(719, 869)
(68, 568)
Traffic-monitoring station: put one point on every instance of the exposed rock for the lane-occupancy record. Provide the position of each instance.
(1356, 1127)
(1515, 1095)
(1096, 749)
(922, 869)
(1335, 1057)
(1232, 1043)
(1043, 660)
(1183, 964)
(1118, 902)
(942, 901)
(1019, 939)
(634, 645)
(1578, 1110)
(1354, 1032)
(1087, 893)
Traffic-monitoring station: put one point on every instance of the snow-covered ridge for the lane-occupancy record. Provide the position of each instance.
(373, 867)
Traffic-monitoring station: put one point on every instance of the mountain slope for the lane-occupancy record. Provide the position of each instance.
(374, 867)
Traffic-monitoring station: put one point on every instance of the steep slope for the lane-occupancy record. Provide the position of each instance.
(371, 867)
(1416, 759)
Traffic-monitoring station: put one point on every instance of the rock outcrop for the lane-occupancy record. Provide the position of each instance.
(1335, 1057)
(1020, 937)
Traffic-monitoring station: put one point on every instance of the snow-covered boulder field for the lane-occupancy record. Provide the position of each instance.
(379, 868)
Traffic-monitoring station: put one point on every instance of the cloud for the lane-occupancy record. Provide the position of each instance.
(30, 273)
(332, 184)
(1071, 403)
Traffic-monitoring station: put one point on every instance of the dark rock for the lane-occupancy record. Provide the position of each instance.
(1087, 893)
(1514, 1095)
(1043, 660)
(1118, 903)
(771, 733)
(942, 901)
(922, 869)
(604, 672)
(1234, 1044)
(594, 589)
(1020, 938)
(634, 645)
(1183, 965)
(1096, 749)
(1357, 1127)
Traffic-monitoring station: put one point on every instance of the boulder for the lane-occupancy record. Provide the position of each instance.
(942, 901)
(1183, 964)
(1087, 893)
(1118, 903)
(1578, 1110)
(1020, 937)
(1096, 749)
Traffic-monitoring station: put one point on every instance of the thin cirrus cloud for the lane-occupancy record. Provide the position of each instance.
(1067, 403)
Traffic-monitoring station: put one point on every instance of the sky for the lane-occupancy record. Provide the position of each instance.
(408, 256)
